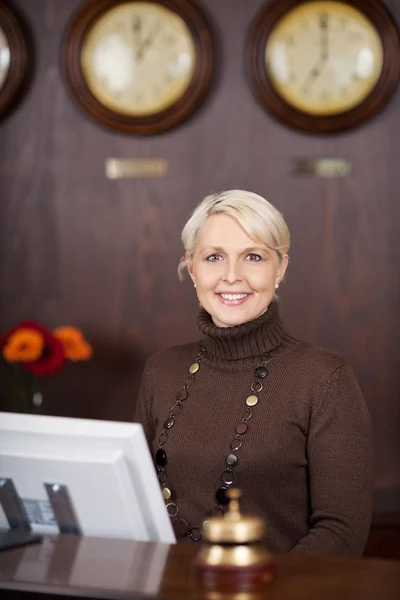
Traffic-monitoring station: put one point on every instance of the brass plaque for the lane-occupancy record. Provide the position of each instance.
(120, 168)
(328, 168)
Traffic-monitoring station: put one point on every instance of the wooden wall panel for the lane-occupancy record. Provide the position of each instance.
(76, 248)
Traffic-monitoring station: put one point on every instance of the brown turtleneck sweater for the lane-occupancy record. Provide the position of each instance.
(306, 460)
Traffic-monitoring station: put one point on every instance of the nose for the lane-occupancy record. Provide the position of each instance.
(231, 273)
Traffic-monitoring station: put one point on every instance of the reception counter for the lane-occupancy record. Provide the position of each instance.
(83, 567)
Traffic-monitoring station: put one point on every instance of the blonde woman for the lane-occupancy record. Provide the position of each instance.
(249, 405)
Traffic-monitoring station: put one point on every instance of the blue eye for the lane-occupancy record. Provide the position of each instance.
(213, 257)
(253, 257)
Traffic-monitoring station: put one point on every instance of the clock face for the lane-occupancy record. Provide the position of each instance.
(324, 57)
(138, 58)
(4, 57)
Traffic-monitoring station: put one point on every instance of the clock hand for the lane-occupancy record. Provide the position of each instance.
(136, 25)
(323, 23)
(147, 41)
(324, 54)
(136, 30)
(314, 74)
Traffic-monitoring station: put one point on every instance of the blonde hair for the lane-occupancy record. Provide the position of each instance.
(261, 221)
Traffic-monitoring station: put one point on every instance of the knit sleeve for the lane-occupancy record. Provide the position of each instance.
(144, 403)
(340, 464)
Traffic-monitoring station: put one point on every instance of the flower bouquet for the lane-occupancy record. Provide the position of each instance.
(29, 352)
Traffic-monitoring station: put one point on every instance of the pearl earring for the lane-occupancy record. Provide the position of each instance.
(194, 285)
(276, 286)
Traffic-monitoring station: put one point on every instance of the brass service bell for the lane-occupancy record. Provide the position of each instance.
(234, 546)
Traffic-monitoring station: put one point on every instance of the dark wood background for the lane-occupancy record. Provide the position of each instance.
(76, 248)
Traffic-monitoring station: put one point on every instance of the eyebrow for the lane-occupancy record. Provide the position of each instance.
(252, 249)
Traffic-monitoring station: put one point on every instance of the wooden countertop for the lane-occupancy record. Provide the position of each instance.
(104, 568)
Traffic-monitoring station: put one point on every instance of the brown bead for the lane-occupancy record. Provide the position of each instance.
(181, 527)
(241, 428)
(169, 423)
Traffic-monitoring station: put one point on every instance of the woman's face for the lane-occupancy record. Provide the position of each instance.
(235, 276)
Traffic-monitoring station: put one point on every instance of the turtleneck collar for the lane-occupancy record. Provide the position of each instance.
(242, 342)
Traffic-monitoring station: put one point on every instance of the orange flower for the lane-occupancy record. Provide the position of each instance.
(23, 345)
(74, 344)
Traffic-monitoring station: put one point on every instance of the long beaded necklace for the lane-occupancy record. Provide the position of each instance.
(181, 526)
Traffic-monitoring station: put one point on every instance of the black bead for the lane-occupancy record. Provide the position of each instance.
(161, 458)
(261, 372)
(221, 496)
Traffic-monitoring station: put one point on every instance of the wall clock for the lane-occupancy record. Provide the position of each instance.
(136, 66)
(15, 57)
(323, 66)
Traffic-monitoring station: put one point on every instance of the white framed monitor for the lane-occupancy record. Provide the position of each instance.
(90, 477)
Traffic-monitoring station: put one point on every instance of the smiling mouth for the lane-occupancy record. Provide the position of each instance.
(233, 299)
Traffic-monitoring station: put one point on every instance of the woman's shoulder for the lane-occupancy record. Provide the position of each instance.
(320, 373)
(173, 355)
(316, 359)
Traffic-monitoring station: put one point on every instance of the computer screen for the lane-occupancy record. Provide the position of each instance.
(90, 477)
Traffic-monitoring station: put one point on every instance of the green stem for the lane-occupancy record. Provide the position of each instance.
(23, 394)
(31, 391)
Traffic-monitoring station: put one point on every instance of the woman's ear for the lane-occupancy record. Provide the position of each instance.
(189, 266)
(283, 263)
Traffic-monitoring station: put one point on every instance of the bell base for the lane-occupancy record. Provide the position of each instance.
(226, 563)
(217, 573)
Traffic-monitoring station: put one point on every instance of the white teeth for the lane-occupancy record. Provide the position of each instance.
(234, 296)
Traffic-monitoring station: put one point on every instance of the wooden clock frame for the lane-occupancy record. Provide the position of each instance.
(264, 91)
(83, 19)
(21, 58)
